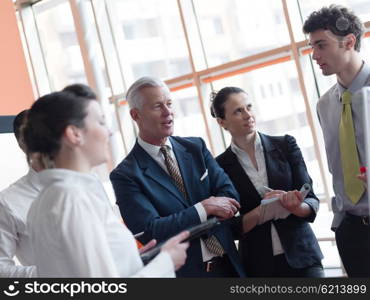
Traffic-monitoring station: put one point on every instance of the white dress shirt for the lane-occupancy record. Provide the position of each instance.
(15, 202)
(155, 152)
(329, 110)
(259, 179)
(75, 233)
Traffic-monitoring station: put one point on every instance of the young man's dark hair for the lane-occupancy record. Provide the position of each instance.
(19, 122)
(338, 19)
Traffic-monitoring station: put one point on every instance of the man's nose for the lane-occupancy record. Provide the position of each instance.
(315, 54)
(167, 110)
(246, 113)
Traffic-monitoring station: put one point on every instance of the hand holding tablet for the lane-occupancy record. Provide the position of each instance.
(195, 232)
(271, 209)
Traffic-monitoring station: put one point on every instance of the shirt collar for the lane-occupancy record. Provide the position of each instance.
(49, 176)
(257, 145)
(153, 150)
(34, 179)
(358, 82)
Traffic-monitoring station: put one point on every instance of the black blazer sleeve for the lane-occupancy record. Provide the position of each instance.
(300, 174)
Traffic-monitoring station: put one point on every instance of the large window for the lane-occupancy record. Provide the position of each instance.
(360, 7)
(226, 42)
(150, 37)
(232, 29)
(188, 117)
(60, 47)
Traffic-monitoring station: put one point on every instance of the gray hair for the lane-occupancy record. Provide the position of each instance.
(133, 94)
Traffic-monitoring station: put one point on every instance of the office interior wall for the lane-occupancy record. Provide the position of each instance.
(15, 83)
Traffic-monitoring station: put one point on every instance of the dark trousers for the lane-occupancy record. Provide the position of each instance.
(218, 267)
(283, 269)
(353, 242)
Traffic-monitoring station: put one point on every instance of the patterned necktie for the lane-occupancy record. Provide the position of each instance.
(173, 170)
(348, 152)
(212, 244)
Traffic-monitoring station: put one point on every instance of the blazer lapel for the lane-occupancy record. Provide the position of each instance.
(241, 179)
(272, 159)
(152, 170)
(185, 163)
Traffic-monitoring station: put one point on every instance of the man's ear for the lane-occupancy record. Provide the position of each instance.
(134, 112)
(73, 135)
(349, 41)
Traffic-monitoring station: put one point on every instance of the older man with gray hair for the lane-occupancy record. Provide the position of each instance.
(167, 184)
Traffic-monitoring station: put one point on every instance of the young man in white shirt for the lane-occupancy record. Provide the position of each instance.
(335, 35)
(15, 202)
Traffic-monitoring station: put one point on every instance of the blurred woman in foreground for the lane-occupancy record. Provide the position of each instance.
(73, 229)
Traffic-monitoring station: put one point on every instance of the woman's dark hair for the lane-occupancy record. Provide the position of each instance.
(80, 90)
(219, 98)
(338, 19)
(48, 118)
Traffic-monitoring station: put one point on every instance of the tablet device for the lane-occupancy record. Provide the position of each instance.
(195, 232)
(305, 189)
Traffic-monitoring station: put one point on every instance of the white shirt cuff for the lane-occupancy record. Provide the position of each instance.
(201, 212)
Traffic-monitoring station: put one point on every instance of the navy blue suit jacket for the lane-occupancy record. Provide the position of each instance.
(286, 170)
(149, 200)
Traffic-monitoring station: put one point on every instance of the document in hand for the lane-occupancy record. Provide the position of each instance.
(271, 209)
(195, 232)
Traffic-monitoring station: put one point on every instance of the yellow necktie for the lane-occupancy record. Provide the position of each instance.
(348, 152)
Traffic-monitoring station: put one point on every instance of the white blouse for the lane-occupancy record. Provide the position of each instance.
(75, 233)
(259, 179)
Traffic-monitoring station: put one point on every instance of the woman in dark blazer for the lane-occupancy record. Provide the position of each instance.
(263, 166)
